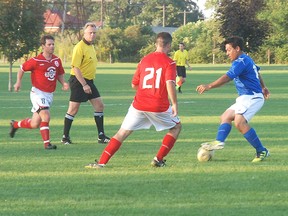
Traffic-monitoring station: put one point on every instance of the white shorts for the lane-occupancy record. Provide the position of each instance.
(40, 99)
(136, 120)
(248, 105)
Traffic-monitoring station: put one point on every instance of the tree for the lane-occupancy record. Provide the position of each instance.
(21, 23)
(240, 18)
(275, 14)
(123, 13)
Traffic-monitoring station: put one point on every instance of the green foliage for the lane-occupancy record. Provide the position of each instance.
(22, 23)
(122, 13)
(275, 14)
(240, 18)
(202, 41)
(122, 45)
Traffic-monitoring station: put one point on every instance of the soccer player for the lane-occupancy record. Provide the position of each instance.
(154, 82)
(46, 69)
(181, 59)
(84, 62)
(252, 92)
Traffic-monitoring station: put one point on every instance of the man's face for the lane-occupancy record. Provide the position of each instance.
(231, 52)
(90, 34)
(49, 46)
(181, 47)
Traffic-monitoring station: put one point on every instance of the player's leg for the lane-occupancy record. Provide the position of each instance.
(254, 104)
(98, 106)
(113, 146)
(167, 143)
(68, 120)
(165, 121)
(223, 130)
(134, 120)
(44, 115)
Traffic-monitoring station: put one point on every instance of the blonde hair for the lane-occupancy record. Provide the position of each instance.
(91, 24)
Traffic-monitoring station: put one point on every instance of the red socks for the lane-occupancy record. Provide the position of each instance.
(167, 144)
(26, 123)
(44, 130)
(109, 151)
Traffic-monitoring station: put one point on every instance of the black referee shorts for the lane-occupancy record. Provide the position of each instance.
(77, 93)
(181, 71)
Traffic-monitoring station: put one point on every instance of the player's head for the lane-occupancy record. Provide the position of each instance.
(44, 38)
(89, 32)
(164, 40)
(234, 47)
(181, 46)
(47, 43)
(235, 41)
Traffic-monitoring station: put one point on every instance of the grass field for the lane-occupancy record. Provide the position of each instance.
(34, 181)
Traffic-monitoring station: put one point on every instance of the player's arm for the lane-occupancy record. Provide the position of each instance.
(65, 85)
(187, 63)
(173, 96)
(81, 79)
(219, 82)
(265, 90)
(17, 85)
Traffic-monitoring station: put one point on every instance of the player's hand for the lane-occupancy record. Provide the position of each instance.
(65, 86)
(266, 93)
(17, 86)
(202, 88)
(87, 89)
(174, 110)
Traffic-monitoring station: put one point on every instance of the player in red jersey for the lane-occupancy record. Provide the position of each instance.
(154, 82)
(46, 69)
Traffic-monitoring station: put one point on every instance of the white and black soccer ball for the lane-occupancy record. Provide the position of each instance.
(204, 155)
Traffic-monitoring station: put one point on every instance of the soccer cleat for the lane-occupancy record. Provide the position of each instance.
(12, 129)
(103, 139)
(260, 156)
(66, 140)
(50, 146)
(95, 165)
(156, 163)
(213, 145)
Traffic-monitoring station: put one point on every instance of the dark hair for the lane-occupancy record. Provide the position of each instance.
(235, 41)
(163, 38)
(182, 44)
(46, 37)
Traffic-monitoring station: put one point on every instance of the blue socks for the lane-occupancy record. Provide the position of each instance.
(254, 140)
(223, 132)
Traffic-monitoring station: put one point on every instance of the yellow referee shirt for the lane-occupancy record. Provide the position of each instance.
(180, 57)
(84, 58)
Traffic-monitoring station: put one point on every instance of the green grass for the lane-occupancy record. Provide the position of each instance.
(38, 182)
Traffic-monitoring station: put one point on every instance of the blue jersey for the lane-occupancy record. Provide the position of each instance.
(245, 75)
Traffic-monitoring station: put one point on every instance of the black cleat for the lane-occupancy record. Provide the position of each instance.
(50, 146)
(66, 140)
(156, 163)
(103, 139)
(12, 129)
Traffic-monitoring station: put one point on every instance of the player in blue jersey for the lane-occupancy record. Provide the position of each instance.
(252, 92)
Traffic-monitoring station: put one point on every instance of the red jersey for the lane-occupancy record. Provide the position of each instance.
(151, 75)
(44, 73)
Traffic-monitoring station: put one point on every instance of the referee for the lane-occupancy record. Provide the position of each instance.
(84, 62)
(181, 59)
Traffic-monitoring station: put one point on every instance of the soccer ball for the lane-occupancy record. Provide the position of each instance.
(204, 155)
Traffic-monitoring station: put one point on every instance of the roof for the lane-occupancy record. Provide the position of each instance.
(158, 29)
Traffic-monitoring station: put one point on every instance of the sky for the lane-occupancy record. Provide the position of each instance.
(201, 3)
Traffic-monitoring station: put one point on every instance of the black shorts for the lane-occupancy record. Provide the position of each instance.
(181, 71)
(77, 92)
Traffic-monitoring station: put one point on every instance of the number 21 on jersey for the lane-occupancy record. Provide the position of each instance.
(150, 75)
